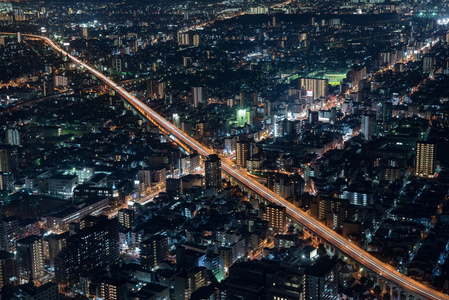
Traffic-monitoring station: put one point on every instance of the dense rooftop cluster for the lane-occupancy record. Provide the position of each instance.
(340, 108)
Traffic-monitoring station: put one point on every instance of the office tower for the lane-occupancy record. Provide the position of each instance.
(9, 233)
(126, 217)
(199, 95)
(368, 126)
(19, 37)
(425, 159)
(30, 258)
(96, 244)
(213, 172)
(8, 158)
(317, 87)
(8, 268)
(153, 252)
(276, 217)
(85, 32)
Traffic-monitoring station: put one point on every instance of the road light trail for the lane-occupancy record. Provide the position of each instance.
(363, 258)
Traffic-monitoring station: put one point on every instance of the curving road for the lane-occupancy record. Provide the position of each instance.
(357, 254)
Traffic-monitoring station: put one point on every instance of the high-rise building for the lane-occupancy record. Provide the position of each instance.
(153, 252)
(152, 88)
(188, 282)
(6, 181)
(119, 64)
(425, 159)
(126, 217)
(196, 40)
(30, 258)
(199, 95)
(358, 196)
(184, 39)
(85, 32)
(9, 233)
(52, 245)
(276, 217)
(331, 211)
(95, 245)
(173, 186)
(113, 289)
(8, 268)
(145, 178)
(161, 89)
(317, 87)
(213, 172)
(428, 64)
(8, 158)
(286, 186)
(368, 126)
(321, 280)
(29, 227)
(245, 150)
(13, 137)
(313, 117)
(355, 75)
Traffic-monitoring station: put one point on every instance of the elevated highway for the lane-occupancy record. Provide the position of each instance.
(410, 287)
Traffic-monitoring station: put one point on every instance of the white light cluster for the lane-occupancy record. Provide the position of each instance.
(444, 21)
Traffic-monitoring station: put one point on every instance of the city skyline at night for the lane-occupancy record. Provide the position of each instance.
(224, 150)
